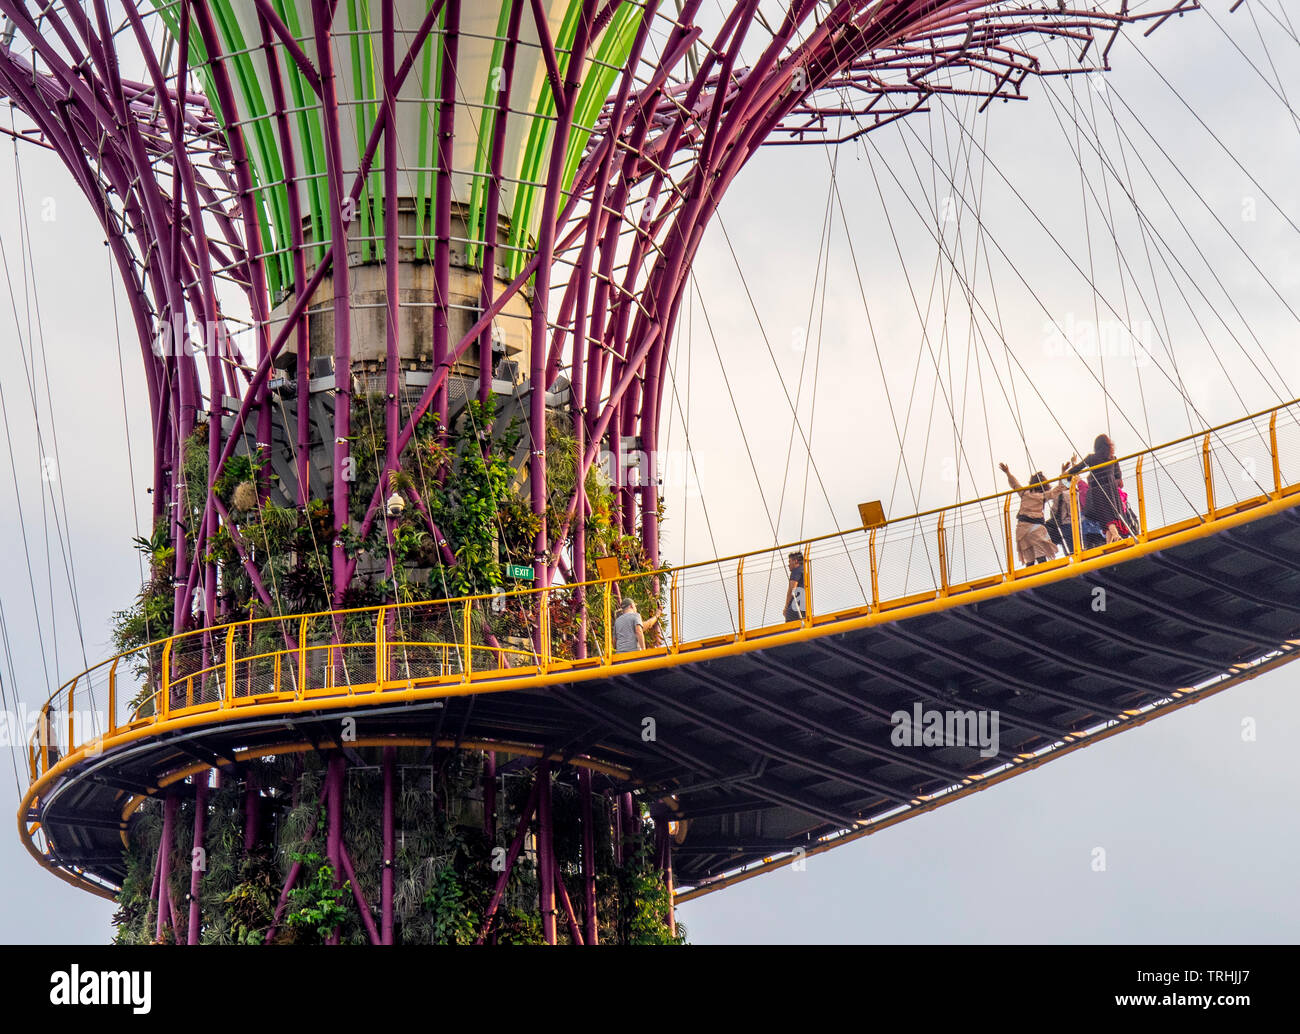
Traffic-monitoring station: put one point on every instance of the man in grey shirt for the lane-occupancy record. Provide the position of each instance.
(629, 629)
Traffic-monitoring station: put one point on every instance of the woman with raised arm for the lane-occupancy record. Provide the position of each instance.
(1033, 543)
(1104, 485)
(1060, 525)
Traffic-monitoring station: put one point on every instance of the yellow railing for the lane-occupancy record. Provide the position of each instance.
(926, 558)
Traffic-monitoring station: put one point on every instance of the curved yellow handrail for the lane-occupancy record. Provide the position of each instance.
(390, 657)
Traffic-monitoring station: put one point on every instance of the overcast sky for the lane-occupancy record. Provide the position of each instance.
(1195, 821)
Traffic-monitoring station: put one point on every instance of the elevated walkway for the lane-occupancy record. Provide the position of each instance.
(763, 737)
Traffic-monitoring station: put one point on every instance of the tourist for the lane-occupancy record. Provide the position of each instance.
(795, 593)
(1060, 524)
(1104, 487)
(629, 628)
(1033, 543)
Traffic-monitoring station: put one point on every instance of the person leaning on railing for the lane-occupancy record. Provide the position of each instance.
(629, 628)
(1033, 543)
(1105, 484)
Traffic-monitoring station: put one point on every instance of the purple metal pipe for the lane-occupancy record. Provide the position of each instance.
(198, 857)
(165, 865)
(366, 918)
(390, 851)
(630, 823)
(492, 219)
(251, 799)
(442, 200)
(616, 815)
(154, 901)
(545, 852)
(294, 870)
(563, 893)
(322, 17)
(392, 359)
(490, 796)
(564, 103)
(302, 341)
(591, 926)
(512, 855)
(334, 820)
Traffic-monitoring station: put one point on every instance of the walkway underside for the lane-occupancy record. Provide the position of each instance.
(774, 748)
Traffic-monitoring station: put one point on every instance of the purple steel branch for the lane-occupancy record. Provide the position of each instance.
(198, 860)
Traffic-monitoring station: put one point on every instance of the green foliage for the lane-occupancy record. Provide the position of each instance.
(134, 909)
(467, 504)
(466, 480)
(250, 905)
(148, 619)
(194, 479)
(317, 905)
(157, 548)
(644, 903)
(517, 926)
(443, 870)
(454, 919)
(236, 470)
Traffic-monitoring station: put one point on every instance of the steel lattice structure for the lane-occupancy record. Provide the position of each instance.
(341, 191)
(621, 102)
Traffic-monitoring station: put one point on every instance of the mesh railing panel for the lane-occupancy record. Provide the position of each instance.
(197, 672)
(255, 676)
(708, 602)
(907, 558)
(355, 663)
(1174, 486)
(766, 578)
(315, 662)
(1288, 445)
(136, 692)
(424, 648)
(89, 710)
(975, 541)
(1242, 464)
(52, 730)
(840, 572)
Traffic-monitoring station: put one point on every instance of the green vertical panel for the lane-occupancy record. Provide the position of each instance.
(200, 63)
(264, 158)
(431, 71)
(311, 141)
(614, 49)
(360, 76)
(477, 228)
(374, 66)
(539, 138)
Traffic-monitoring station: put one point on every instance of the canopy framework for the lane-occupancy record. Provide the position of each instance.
(628, 121)
(561, 162)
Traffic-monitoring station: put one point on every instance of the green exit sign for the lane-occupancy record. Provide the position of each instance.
(519, 571)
